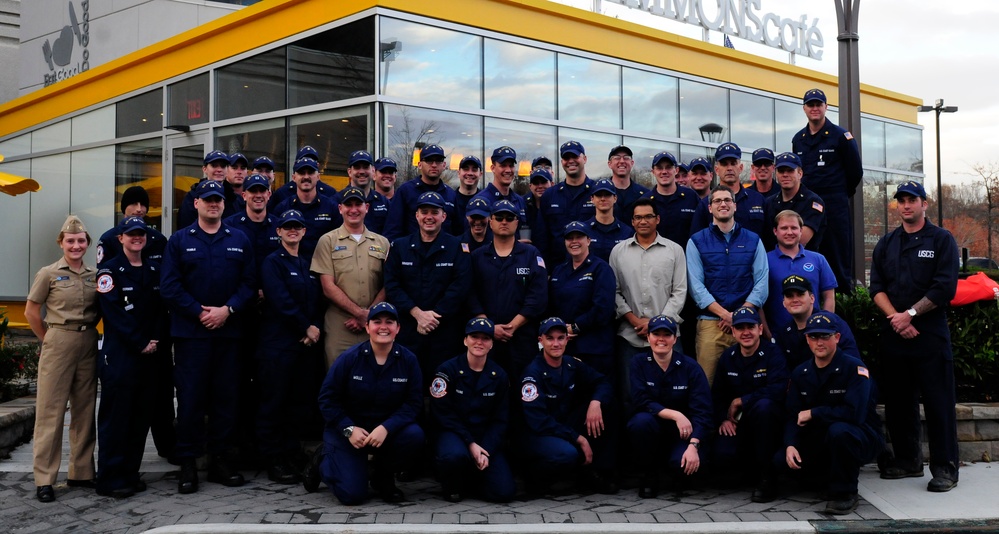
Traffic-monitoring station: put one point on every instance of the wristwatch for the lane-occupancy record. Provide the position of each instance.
(231, 310)
(696, 444)
(348, 431)
(911, 312)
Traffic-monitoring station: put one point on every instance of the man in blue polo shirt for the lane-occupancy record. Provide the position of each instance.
(402, 210)
(790, 257)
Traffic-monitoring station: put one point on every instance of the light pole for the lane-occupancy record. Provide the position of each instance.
(939, 107)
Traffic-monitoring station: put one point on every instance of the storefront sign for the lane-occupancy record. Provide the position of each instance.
(740, 18)
(68, 54)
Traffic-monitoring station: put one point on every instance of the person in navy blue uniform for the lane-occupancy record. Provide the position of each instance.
(621, 160)
(832, 428)
(795, 197)
(700, 178)
(510, 288)
(749, 213)
(605, 229)
(280, 194)
(469, 180)
(582, 291)
(360, 169)
(216, 164)
(370, 399)
(263, 166)
(321, 213)
(913, 279)
(478, 233)
(567, 416)
(762, 170)
(286, 356)
(254, 221)
(748, 397)
(832, 170)
(134, 203)
(563, 203)
(671, 407)
(385, 176)
(427, 276)
(401, 219)
(799, 302)
(682, 172)
(540, 180)
(236, 174)
(676, 203)
(128, 291)
(208, 278)
(504, 168)
(470, 407)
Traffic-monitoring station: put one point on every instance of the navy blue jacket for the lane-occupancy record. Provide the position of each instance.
(763, 375)
(681, 387)
(908, 267)
(473, 245)
(795, 347)
(109, 247)
(830, 160)
(131, 306)
(289, 189)
(560, 205)
(475, 406)
(321, 215)
(492, 195)
(402, 210)
(187, 215)
(627, 197)
(728, 266)
(359, 392)
(807, 204)
(843, 395)
(505, 287)
(585, 296)
(676, 213)
(438, 280)
(292, 302)
(603, 237)
(211, 270)
(378, 207)
(748, 212)
(262, 234)
(551, 398)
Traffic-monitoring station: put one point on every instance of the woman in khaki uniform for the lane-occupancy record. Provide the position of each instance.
(67, 367)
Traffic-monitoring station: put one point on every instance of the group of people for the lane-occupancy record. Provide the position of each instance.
(694, 325)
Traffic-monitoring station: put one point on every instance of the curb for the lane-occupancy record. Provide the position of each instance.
(774, 527)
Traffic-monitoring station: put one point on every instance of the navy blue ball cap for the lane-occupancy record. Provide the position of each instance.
(215, 156)
(683, 167)
(256, 180)
(620, 149)
(236, 157)
(210, 188)
(359, 156)
(664, 156)
(661, 322)
(572, 148)
(383, 308)
(263, 162)
(306, 163)
(478, 206)
(431, 151)
(745, 315)
(822, 322)
(430, 198)
(503, 153)
(603, 186)
(910, 188)
(131, 224)
(291, 218)
(470, 160)
(699, 162)
(352, 192)
(788, 159)
(552, 322)
(504, 206)
(307, 152)
(796, 283)
(541, 172)
(480, 325)
(813, 94)
(763, 155)
(576, 227)
(383, 164)
(541, 160)
(728, 150)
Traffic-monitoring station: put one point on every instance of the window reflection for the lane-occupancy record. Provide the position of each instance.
(903, 147)
(528, 139)
(752, 121)
(519, 79)
(141, 163)
(333, 65)
(189, 102)
(254, 85)
(597, 146)
(650, 103)
(421, 62)
(334, 134)
(139, 114)
(644, 149)
(788, 118)
(873, 139)
(407, 129)
(262, 138)
(589, 92)
(703, 112)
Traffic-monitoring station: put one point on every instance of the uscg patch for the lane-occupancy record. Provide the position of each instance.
(105, 283)
(529, 392)
(438, 388)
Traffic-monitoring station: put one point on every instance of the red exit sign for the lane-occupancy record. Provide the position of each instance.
(194, 108)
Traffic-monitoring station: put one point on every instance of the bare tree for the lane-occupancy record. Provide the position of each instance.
(408, 137)
(988, 173)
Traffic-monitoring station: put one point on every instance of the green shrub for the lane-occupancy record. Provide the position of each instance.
(18, 361)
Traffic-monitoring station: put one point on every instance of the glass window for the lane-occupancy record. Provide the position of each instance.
(254, 85)
(650, 103)
(334, 134)
(689, 152)
(333, 65)
(189, 101)
(16, 146)
(140, 114)
(878, 215)
(528, 139)
(14, 211)
(752, 121)
(589, 92)
(873, 139)
(643, 150)
(141, 163)
(49, 208)
(93, 126)
(519, 79)
(788, 118)
(255, 139)
(703, 112)
(422, 62)
(597, 146)
(407, 129)
(92, 194)
(903, 147)
(52, 137)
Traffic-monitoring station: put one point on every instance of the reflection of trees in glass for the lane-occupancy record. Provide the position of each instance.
(406, 137)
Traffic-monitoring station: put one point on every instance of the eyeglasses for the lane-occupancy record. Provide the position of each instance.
(504, 218)
(649, 217)
(620, 158)
(822, 336)
(722, 201)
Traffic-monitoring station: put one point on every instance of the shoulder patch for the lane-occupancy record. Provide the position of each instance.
(862, 371)
(848, 135)
(100, 252)
(541, 262)
(464, 247)
(818, 207)
(529, 392)
(105, 283)
(438, 388)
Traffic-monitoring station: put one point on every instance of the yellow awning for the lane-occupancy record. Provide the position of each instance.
(15, 185)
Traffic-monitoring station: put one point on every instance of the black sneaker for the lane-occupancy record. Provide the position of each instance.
(220, 472)
(940, 485)
(45, 493)
(895, 473)
(188, 481)
(311, 477)
(843, 504)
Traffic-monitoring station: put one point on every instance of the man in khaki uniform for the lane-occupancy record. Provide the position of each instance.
(349, 263)
(67, 367)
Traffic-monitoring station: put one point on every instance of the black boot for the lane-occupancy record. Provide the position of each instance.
(311, 478)
(280, 471)
(221, 472)
(188, 481)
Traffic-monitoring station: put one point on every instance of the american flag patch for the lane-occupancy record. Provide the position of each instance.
(541, 262)
(817, 207)
(848, 135)
(464, 247)
(862, 371)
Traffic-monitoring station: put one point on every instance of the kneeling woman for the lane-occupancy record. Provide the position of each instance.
(672, 405)
(370, 400)
(469, 402)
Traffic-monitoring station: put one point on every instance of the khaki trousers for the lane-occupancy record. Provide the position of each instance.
(711, 342)
(67, 371)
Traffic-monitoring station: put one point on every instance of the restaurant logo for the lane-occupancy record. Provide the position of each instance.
(68, 54)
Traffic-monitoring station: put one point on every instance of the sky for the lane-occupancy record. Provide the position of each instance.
(928, 50)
